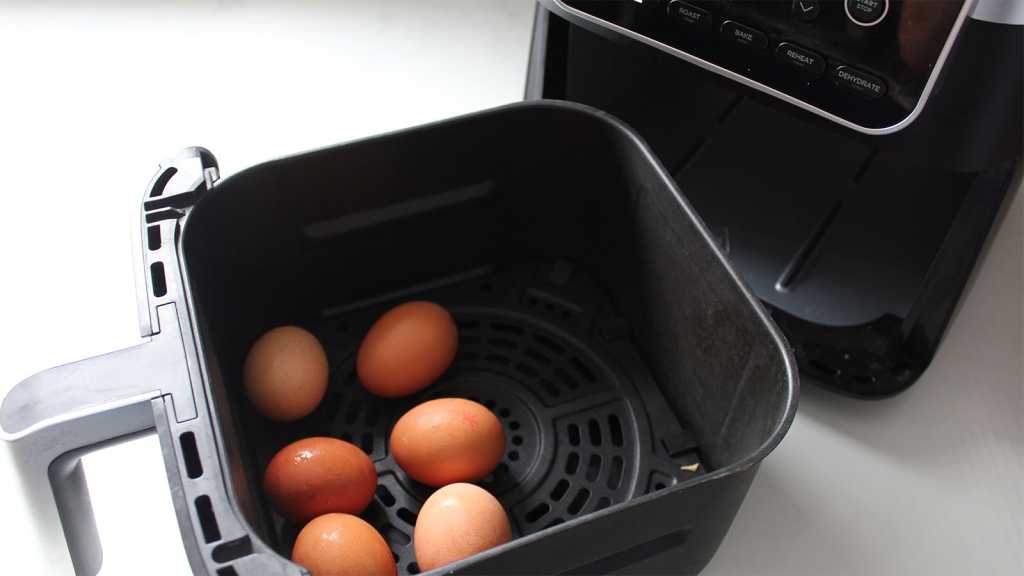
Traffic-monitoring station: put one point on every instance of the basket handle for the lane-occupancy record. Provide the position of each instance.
(54, 418)
(59, 415)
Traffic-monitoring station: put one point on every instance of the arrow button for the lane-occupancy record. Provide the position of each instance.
(806, 10)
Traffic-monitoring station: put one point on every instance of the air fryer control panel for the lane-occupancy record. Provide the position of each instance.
(868, 64)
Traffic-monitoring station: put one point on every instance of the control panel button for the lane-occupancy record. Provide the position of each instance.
(866, 12)
(860, 82)
(745, 35)
(806, 10)
(807, 61)
(689, 14)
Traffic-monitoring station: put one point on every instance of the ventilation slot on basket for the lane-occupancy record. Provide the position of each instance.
(549, 343)
(190, 454)
(537, 512)
(153, 238)
(207, 521)
(572, 463)
(595, 433)
(233, 550)
(413, 568)
(537, 356)
(227, 571)
(385, 496)
(526, 370)
(615, 430)
(577, 504)
(560, 489)
(550, 388)
(407, 516)
(574, 435)
(156, 273)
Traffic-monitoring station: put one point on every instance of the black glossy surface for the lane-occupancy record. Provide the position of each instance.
(899, 52)
(861, 245)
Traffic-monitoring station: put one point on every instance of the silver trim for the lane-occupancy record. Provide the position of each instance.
(885, 12)
(573, 14)
(1000, 11)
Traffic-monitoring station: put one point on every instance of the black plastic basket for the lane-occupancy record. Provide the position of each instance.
(639, 382)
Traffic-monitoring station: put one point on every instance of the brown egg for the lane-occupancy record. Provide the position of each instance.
(342, 545)
(319, 475)
(456, 522)
(285, 374)
(448, 440)
(407, 349)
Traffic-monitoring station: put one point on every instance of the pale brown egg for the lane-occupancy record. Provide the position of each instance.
(407, 349)
(456, 522)
(285, 374)
(342, 545)
(448, 440)
(319, 475)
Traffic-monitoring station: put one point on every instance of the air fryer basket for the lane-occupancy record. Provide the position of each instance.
(639, 383)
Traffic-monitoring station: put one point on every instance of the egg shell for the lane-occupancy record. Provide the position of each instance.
(319, 475)
(285, 374)
(448, 440)
(456, 522)
(407, 349)
(342, 545)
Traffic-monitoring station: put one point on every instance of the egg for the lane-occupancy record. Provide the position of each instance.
(407, 349)
(285, 374)
(448, 440)
(456, 522)
(319, 475)
(342, 545)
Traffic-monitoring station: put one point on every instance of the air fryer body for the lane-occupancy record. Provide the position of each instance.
(858, 240)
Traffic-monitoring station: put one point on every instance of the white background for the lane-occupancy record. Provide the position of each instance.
(92, 98)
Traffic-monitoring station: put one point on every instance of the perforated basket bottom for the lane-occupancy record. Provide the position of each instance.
(586, 426)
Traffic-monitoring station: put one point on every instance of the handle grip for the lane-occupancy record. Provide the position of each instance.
(57, 416)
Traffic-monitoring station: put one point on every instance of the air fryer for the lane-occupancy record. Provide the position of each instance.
(849, 156)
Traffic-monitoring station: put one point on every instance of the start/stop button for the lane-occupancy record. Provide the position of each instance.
(866, 12)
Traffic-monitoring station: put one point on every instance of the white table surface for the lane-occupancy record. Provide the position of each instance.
(92, 98)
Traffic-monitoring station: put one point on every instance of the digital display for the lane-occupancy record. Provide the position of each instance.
(865, 63)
